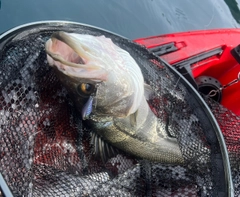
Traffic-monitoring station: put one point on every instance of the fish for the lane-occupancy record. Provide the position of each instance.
(108, 89)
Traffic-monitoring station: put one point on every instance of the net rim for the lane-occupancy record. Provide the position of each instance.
(57, 22)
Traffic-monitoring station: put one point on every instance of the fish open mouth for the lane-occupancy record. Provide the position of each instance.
(71, 56)
(60, 49)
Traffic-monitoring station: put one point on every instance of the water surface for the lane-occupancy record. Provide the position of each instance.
(129, 18)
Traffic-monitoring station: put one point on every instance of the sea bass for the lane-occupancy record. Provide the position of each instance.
(108, 89)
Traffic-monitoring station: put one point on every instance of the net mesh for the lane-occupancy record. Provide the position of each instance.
(230, 127)
(46, 148)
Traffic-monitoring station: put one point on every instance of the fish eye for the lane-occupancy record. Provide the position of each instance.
(85, 89)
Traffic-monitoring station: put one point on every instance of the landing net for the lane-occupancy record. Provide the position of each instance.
(45, 147)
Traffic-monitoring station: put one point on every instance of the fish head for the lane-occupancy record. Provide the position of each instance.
(103, 78)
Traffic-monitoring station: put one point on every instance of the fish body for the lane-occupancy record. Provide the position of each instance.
(108, 88)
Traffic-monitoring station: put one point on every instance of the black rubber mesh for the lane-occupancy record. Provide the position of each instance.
(230, 126)
(45, 147)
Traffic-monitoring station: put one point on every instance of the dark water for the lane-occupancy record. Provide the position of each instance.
(129, 18)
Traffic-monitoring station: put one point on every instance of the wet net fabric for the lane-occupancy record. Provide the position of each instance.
(230, 126)
(46, 149)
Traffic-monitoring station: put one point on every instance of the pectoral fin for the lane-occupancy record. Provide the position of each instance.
(87, 109)
(133, 119)
(148, 91)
